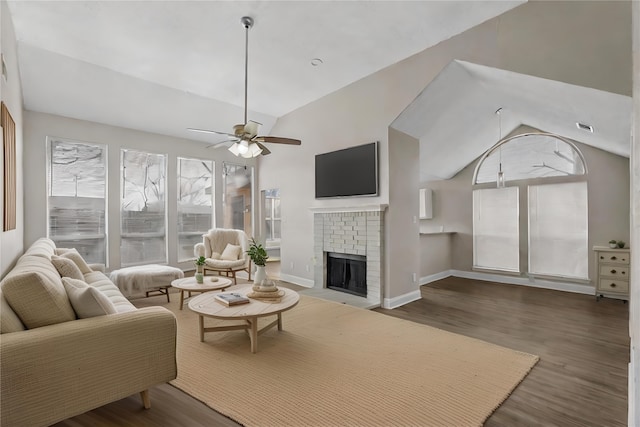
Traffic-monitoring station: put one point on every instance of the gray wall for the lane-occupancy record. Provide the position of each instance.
(549, 39)
(634, 316)
(37, 126)
(11, 241)
(608, 192)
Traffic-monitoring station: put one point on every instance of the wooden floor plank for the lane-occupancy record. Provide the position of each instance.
(580, 380)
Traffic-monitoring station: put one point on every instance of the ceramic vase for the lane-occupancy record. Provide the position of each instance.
(260, 275)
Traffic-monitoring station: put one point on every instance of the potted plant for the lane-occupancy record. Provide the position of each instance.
(199, 262)
(613, 244)
(258, 255)
(621, 244)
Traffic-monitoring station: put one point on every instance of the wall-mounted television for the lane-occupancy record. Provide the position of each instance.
(348, 172)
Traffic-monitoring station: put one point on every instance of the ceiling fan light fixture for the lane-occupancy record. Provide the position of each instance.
(254, 150)
(243, 147)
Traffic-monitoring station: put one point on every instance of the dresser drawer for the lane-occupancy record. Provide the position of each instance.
(612, 285)
(615, 271)
(613, 257)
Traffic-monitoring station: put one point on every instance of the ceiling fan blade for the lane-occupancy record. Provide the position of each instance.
(209, 131)
(265, 150)
(222, 144)
(278, 140)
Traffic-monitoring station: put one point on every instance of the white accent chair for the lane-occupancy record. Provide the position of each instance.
(225, 252)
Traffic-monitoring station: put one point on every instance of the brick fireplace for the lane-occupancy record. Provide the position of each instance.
(354, 231)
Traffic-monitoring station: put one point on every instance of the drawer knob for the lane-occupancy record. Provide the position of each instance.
(601, 257)
(613, 258)
(613, 285)
(613, 272)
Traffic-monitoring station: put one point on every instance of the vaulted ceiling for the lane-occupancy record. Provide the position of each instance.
(167, 65)
(163, 66)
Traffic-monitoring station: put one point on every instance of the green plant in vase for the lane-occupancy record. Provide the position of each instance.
(258, 255)
(199, 262)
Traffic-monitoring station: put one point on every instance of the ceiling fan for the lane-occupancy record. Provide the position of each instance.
(245, 140)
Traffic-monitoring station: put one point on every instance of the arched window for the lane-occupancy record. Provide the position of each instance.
(545, 174)
(530, 155)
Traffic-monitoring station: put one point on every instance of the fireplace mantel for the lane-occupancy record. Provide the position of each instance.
(352, 208)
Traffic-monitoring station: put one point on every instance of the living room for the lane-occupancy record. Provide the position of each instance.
(541, 39)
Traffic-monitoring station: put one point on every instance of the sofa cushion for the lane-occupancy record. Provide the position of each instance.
(42, 247)
(230, 253)
(66, 268)
(9, 320)
(75, 256)
(86, 300)
(99, 281)
(36, 300)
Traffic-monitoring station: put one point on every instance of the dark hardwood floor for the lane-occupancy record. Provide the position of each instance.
(580, 380)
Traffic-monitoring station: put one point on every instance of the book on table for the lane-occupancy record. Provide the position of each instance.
(232, 298)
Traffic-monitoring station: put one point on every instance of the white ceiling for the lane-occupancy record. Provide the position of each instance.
(163, 66)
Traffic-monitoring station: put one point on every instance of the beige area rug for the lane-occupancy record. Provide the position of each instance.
(335, 365)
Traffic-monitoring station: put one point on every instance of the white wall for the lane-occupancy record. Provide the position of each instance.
(11, 241)
(37, 126)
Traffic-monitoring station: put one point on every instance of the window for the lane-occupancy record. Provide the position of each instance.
(237, 200)
(142, 209)
(552, 170)
(195, 203)
(531, 155)
(272, 216)
(496, 243)
(76, 202)
(558, 230)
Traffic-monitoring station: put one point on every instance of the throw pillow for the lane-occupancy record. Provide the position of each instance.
(86, 300)
(66, 267)
(230, 253)
(74, 256)
(60, 251)
(36, 300)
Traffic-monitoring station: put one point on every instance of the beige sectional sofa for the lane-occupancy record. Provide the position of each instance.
(54, 365)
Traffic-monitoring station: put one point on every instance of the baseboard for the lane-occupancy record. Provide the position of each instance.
(307, 283)
(401, 300)
(522, 281)
(433, 277)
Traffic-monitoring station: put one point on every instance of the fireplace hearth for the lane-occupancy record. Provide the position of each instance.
(347, 273)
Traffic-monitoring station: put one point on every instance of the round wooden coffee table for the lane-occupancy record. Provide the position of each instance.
(207, 305)
(189, 284)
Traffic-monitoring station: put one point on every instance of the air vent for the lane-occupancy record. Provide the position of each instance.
(584, 127)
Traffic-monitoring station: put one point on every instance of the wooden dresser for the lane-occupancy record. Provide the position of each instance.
(612, 272)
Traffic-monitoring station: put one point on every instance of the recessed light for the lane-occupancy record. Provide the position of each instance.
(316, 61)
(584, 127)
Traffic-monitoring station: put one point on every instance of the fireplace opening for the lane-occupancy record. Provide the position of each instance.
(347, 273)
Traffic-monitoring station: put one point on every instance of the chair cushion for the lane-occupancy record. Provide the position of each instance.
(75, 256)
(66, 267)
(230, 253)
(36, 300)
(86, 300)
(215, 255)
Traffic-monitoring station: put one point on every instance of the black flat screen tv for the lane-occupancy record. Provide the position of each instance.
(349, 172)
